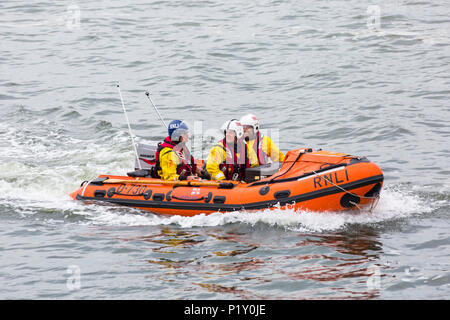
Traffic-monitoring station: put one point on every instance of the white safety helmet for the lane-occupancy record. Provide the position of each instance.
(235, 125)
(250, 120)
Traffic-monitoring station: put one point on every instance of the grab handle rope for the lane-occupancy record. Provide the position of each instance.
(374, 203)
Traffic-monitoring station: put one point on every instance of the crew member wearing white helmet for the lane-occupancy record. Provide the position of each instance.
(262, 145)
(230, 157)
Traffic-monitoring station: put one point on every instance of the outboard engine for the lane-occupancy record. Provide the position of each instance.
(147, 156)
(147, 160)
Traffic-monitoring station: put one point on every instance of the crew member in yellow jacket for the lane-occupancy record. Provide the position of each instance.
(230, 157)
(173, 159)
(262, 145)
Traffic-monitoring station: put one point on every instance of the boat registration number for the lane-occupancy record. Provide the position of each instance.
(133, 189)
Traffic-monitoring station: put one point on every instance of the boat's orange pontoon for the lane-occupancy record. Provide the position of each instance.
(307, 180)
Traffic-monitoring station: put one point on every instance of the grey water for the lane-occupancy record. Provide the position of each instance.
(368, 78)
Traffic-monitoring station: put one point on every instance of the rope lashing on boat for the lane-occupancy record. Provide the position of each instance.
(293, 163)
(374, 203)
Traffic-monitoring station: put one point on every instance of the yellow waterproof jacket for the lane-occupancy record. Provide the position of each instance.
(218, 156)
(266, 149)
(175, 161)
(168, 161)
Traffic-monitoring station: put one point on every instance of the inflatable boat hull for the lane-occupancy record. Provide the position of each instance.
(313, 181)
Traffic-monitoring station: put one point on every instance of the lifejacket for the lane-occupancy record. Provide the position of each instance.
(184, 168)
(234, 168)
(257, 147)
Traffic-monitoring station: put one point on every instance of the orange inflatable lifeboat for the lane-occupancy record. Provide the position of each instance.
(306, 180)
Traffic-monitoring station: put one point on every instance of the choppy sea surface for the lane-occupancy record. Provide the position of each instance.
(369, 78)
